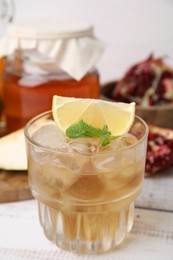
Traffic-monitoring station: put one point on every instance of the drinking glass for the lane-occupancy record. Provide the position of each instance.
(6, 16)
(85, 200)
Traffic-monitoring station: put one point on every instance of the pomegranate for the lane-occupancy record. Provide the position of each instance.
(147, 83)
(159, 150)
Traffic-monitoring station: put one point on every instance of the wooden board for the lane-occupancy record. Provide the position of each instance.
(14, 186)
(157, 192)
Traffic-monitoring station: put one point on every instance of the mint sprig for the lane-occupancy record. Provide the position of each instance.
(106, 136)
(82, 129)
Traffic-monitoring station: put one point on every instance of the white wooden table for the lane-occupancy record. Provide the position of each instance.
(151, 238)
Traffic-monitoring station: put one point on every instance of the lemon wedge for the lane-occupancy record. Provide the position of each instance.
(117, 116)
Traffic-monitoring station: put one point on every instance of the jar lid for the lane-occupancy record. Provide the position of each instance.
(71, 45)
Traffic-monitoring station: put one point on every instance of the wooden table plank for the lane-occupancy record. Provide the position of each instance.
(21, 236)
(157, 192)
(14, 186)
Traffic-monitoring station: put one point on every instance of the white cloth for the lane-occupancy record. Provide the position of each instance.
(71, 45)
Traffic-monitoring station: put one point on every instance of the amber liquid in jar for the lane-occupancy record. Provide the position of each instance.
(22, 101)
(2, 68)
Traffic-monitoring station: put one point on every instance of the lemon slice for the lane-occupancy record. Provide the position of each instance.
(117, 116)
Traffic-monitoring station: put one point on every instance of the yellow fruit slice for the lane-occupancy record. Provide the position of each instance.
(117, 116)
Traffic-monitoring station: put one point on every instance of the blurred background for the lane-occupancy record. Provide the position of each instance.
(131, 30)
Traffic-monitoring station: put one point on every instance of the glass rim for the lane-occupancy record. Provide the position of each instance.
(49, 149)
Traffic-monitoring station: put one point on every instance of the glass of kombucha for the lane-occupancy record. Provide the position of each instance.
(85, 196)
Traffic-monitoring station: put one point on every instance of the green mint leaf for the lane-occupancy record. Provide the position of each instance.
(106, 136)
(82, 129)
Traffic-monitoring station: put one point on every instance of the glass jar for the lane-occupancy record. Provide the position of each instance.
(27, 94)
(6, 16)
(33, 74)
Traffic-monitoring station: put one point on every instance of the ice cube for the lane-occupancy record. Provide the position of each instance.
(128, 140)
(116, 166)
(53, 171)
(86, 187)
(57, 169)
(106, 162)
(120, 156)
(120, 142)
(49, 136)
(84, 145)
(108, 157)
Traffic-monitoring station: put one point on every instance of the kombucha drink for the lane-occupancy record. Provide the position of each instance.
(85, 195)
(2, 68)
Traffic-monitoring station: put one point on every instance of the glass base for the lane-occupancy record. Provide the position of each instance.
(86, 233)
